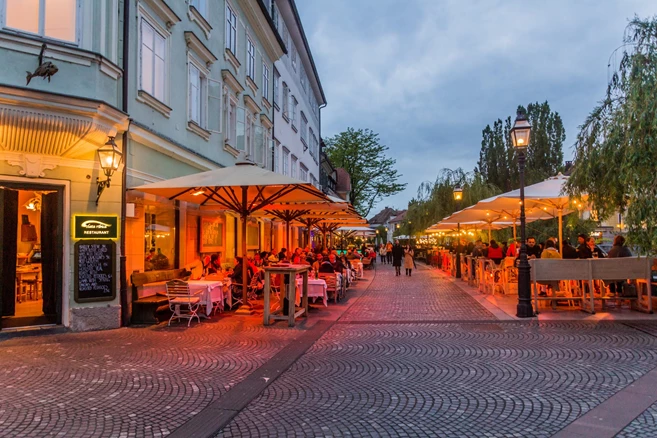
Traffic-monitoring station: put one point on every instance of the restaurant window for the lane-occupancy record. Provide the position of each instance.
(231, 30)
(153, 61)
(197, 95)
(265, 80)
(286, 161)
(47, 18)
(250, 59)
(160, 237)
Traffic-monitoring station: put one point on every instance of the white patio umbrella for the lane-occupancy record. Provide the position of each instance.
(243, 188)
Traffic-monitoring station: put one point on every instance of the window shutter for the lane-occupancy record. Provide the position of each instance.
(214, 106)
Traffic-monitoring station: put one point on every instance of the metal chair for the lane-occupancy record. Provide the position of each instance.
(183, 303)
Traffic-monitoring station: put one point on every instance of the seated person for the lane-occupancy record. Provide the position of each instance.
(214, 265)
(336, 263)
(326, 267)
(495, 252)
(533, 250)
(352, 255)
(318, 262)
(236, 276)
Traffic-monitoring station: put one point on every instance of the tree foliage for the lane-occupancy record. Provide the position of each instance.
(616, 148)
(497, 157)
(373, 174)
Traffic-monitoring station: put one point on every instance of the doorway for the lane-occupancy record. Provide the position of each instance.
(31, 272)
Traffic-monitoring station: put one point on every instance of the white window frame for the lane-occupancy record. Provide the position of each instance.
(311, 136)
(231, 30)
(250, 58)
(277, 89)
(265, 80)
(286, 100)
(303, 172)
(42, 22)
(293, 56)
(160, 31)
(277, 157)
(230, 118)
(286, 161)
(295, 106)
(203, 74)
(293, 166)
(304, 128)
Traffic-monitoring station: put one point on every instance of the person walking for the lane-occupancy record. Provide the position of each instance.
(389, 253)
(397, 255)
(382, 253)
(408, 259)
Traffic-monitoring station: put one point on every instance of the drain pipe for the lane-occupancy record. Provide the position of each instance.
(126, 310)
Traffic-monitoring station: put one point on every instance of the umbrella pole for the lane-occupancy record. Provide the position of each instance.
(514, 229)
(561, 232)
(244, 309)
(489, 227)
(287, 236)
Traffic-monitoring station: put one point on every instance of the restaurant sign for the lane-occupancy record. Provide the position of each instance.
(95, 227)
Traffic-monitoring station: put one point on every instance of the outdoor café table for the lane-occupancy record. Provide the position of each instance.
(292, 313)
(212, 292)
(316, 289)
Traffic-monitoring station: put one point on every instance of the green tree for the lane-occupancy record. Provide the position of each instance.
(616, 148)
(373, 174)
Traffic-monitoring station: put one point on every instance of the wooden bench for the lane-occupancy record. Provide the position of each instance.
(149, 301)
(632, 268)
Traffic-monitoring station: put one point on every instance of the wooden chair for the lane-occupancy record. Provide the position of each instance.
(331, 284)
(183, 303)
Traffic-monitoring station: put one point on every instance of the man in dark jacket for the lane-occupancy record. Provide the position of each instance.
(533, 250)
(569, 252)
(583, 250)
(397, 256)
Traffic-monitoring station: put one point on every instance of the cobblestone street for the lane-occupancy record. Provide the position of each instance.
(400, 357)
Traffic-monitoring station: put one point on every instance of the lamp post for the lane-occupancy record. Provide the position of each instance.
(376, 240)
(458, 197)
(520, 134)
(109, 157)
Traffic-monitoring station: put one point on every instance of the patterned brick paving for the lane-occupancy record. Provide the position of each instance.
(426, 296)
(128, 382)
(489, 379)
(645, 426)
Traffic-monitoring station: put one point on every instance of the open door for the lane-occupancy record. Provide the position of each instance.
(51, 258)
(8, 232)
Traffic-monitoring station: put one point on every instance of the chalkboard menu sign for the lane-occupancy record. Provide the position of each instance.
(95, 270)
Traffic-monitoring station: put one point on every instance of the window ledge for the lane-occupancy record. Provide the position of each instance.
(294, 127)
(278, 108)
(266, 104)
(230, 149)
(232, 60)
(286, 118)
(196, 129)
(58, 51)
(252, 85)
(195, 16)
(153, 102)
(305, 145)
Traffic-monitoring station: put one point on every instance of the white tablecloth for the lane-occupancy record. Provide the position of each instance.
(316, 289)
(212, 292)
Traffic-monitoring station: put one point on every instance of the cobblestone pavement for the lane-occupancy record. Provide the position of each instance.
(426, 296)
(379, 377)
(127, 382)
(645, 426)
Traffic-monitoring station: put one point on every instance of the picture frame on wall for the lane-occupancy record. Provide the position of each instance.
(212, 234)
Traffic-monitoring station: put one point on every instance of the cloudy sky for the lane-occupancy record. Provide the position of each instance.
(428, 75)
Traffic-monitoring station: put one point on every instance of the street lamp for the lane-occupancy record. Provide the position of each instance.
(458, 197)
(520, 137)
(109, 158)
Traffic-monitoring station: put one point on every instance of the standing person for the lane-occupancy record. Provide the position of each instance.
(397, 255)
(408, 259)
(618, 250)
(382, 253)
(389, 253)
(495, 252)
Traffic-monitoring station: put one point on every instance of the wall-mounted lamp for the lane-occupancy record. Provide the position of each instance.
(109, 157)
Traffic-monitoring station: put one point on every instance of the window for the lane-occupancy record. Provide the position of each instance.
(303, 79)
(231, 30)
(250, 58)
(284, 34)
(197, 95)
(293, 167)
(230, 121)
(286, 100)
(47, 18)
(303, 173)
(274, 14)
(311, 136)
(277, 78)
(286, 161)
(160, 237)
(293, 55)
(265, 81)
(304, 128)
(153, 57)
(295, 105)
(277, 157)
(201, 6)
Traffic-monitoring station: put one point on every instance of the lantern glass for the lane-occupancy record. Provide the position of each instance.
(458, 193)
(520, 132)
(109, 157)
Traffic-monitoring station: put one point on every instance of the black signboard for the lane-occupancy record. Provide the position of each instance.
(95, 227)
(95, 269)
